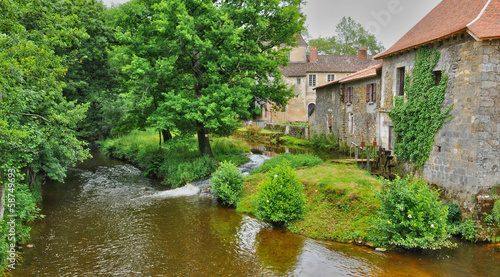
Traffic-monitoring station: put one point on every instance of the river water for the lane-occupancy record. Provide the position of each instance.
(109, 220)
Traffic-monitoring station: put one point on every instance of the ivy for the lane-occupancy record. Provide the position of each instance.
(417, 118)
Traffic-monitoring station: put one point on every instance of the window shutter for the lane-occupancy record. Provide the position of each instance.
(346, 96)
(374, 93)
(368, 93)
(351, 93)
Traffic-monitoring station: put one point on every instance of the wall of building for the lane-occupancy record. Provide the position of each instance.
(465, 159)
(364, 127)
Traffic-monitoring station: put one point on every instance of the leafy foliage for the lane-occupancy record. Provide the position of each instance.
(326, 141)
(177, 161)
(419, 115)
(281, 196)
(293, 160)
(411, 215)
(195, 66)
(350, 37)
(468, 228)
(496, 212)
(227, 183)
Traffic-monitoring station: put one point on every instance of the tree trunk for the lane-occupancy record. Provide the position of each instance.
(166, 135)
(204, 142)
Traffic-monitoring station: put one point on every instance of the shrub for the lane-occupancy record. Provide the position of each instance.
(496, 212)
(281, 196)
(227, 183)
(411, 216)
(293, 160)
(469, 230)
(326, 141)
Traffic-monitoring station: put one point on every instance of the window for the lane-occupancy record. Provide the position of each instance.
(351, 123)
(299, 81)
(437, 76)
(348, 95)
(371, 93)
(312, 80)
(401, 81)
(330, 77)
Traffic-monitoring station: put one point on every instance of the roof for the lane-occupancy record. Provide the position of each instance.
(450, 17)
(328, 63)
(487, 25)
(301, 41)
(368, 72)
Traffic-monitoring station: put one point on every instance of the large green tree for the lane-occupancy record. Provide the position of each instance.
(350, 36)
(195, 65)
(37, 124)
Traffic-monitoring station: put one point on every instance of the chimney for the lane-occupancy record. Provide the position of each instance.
(362, 54)
(313, 54)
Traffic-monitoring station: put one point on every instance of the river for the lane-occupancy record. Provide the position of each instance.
(109, 220)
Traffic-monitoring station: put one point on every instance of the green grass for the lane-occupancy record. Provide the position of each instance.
(177, 161)
(295, 141)
(340, 201)
(294, 161)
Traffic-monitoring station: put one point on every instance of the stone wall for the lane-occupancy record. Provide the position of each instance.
(466, 155)
(364, 113)
(289, 130)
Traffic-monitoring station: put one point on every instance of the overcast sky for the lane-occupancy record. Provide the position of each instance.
(389, 20)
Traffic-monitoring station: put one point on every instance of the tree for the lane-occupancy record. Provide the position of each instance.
(350, 36)
(37, 124)
(199, 63)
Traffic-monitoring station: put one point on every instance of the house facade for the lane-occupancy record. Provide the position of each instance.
(305, 72)
(348, 107)
(465, 160)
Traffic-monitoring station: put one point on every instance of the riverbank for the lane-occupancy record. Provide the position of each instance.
(177, 161)
(340, 201)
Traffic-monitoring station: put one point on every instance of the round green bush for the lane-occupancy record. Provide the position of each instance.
(281, 196)
(227, 183)
(411, 216)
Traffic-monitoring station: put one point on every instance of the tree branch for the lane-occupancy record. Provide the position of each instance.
(30, 114)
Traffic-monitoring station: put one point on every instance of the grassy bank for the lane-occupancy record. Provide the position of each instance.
(177, 161)
(340, 200)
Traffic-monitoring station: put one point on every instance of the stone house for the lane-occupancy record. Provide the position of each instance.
(465, 160)
(348, 107)
(305, 72)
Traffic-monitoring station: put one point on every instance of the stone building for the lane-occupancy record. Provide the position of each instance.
(305, 72)
(465, 159)
(348, 107)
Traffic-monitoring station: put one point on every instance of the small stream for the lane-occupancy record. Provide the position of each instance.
(109, 220)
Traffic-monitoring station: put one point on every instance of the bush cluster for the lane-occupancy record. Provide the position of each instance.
(281, 196)
(411, 216)
(227, 183)
(324, 141)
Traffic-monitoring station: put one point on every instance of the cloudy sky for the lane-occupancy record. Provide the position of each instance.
(389, 20)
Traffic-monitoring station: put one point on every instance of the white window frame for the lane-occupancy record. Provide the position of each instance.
(298, 81)
(313, 80)
(328, 77)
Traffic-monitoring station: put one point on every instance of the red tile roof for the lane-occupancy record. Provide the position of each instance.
(448, 18)
(487, 25)
(328, 63)
(362, 74)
